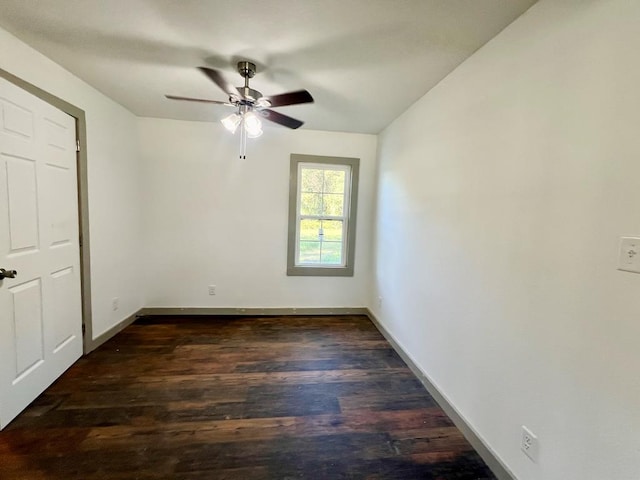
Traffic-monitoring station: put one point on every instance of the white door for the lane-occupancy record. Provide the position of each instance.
(40, 309)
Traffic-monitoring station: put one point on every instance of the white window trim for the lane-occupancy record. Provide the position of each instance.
(350, 165)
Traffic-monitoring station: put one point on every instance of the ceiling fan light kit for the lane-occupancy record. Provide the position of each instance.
(231, 122)
(251, 105)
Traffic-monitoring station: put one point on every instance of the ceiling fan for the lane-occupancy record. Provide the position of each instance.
(251, 105)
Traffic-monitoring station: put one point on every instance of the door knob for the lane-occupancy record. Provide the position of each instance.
(7, 273)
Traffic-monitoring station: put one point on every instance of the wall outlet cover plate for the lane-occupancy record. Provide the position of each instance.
(629, 256)
(529, 444)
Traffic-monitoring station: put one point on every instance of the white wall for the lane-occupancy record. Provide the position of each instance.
(211, 218)
(502, 196)
(114, 177)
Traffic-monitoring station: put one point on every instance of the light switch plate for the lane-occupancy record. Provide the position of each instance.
(629, 259)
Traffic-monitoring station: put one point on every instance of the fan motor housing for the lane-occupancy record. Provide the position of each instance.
(249, 93)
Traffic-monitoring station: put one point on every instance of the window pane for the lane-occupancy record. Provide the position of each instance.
(311, 204)
(324, 190)
(331, 253)
(309, 230)
(333, 204)
(309, 252)
(334, 181)
(311, 180)
(332, 230)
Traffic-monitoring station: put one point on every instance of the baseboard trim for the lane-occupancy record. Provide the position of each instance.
(96, 342)
(498, 468)
(269, 311)
(91, 345)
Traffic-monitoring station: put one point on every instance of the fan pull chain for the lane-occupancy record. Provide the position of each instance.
(243, 141)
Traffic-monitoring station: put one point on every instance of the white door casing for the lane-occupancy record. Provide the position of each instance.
(40, 309)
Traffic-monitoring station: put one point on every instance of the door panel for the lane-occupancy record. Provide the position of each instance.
(23, 203)
(17, 119)
(58, 140)
(62, 288)
(40, 309)
(27, 327)
(62, 209)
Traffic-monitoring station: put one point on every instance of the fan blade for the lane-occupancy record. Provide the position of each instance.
(219, 80)
(281, 119)
(189, 99)
(290, 98)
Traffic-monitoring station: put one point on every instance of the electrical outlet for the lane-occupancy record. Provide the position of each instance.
(379, 302)
(115, 304)
(529, 444)
(629, 256)
(212, 289)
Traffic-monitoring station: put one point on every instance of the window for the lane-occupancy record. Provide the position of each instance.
(323, 192)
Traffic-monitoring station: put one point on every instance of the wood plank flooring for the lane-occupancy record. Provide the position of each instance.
(239, 398)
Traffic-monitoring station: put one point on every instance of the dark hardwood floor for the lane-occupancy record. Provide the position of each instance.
(239, 398)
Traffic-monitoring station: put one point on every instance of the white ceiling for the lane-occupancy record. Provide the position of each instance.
(364, 61)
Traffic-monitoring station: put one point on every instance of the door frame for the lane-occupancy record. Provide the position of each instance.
(83, 199)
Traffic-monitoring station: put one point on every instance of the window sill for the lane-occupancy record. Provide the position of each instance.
(320, 271)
